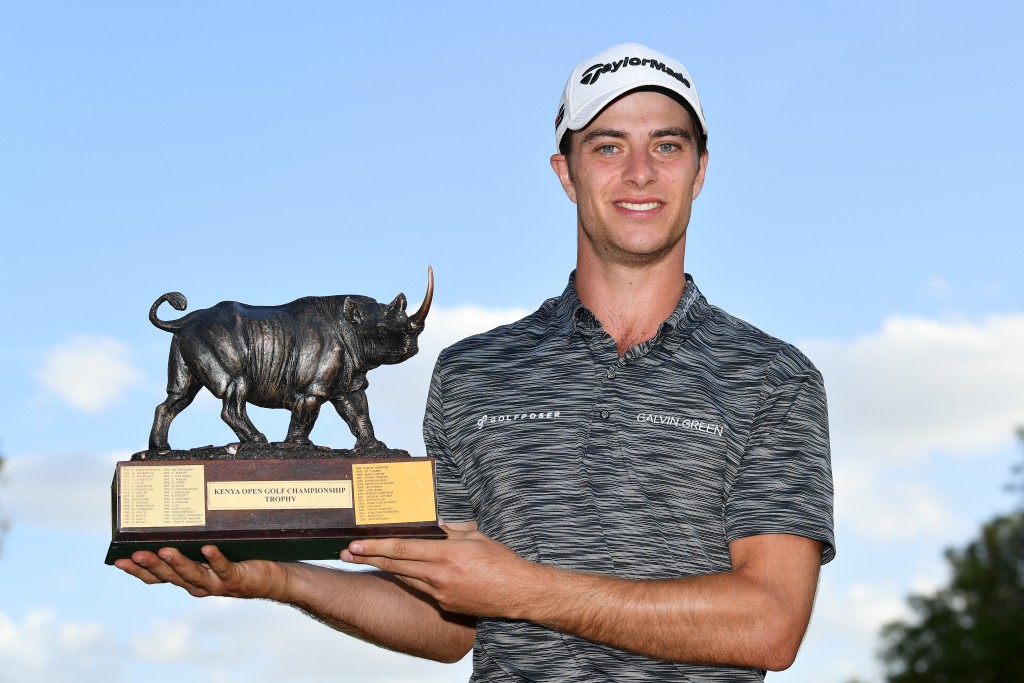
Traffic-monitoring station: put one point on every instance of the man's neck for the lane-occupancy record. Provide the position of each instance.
(630, 302)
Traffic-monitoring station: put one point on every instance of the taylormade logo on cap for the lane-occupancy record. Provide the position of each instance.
(597, 82)
(591, 75)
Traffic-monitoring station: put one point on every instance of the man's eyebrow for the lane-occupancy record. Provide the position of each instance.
(604, 133)
(672, 132)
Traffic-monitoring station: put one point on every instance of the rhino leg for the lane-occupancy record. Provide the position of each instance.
(233, 412)
(354, 409)
(304, 413)
(182, 388)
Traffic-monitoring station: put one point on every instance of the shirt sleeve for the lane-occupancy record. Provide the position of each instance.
(784, 483)
(453, 503)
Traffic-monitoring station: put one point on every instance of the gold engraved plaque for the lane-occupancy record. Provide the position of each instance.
(394, 492)
(163, 497)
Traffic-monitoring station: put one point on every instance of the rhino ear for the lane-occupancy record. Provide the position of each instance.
(351, 310)
(398, 305)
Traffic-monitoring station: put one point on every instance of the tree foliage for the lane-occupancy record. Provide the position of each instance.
(971, 631)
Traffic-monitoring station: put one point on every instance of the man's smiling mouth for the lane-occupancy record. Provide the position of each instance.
(646, 206)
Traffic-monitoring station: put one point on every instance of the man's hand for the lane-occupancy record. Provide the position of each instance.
(218, 576)
(469, 573)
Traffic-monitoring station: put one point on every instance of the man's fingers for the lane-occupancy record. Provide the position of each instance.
(221, 566)
(412, 549)
(137, 570)
(410, 557)
(216, 575)
(166, 566)
(384, 547)
(389, 564)
(400, 557)
(194, 577)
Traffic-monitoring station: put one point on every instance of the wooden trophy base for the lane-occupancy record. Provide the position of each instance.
(274, 509)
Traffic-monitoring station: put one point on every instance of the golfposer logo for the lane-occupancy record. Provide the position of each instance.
(516, 417)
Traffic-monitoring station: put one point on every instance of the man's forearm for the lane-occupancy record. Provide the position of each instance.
(712, 619)
(375, 607)
(754, 615)
(744, 617)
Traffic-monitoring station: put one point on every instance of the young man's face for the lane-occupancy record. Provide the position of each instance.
(633, 176)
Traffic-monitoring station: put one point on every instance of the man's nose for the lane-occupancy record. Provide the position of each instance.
(640, 169)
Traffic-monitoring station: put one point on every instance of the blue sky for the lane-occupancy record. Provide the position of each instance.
(862, 201)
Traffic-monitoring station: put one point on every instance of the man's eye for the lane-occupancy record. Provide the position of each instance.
(606, 149)
(666, 147)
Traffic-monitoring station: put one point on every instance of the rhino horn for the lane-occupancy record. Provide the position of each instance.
(420, 316)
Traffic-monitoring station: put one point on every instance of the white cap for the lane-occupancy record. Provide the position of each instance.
(595, 82)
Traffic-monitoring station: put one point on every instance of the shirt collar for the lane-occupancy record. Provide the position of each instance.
(569, 313)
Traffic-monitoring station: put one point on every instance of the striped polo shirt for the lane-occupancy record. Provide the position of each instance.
(643, 466)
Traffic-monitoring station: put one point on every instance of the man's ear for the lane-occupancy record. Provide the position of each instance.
(702, 168)
(560, 165)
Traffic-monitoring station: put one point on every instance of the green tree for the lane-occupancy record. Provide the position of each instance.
(971, 631)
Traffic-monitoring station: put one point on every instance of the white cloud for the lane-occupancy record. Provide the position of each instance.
(294, 647)
(844, 631)
(41, 648)
(168, 641)
(913, 389)
(222, 640)
(858, 610)
(886, 507)
(449, 325)
(89, 373)
(918, 386)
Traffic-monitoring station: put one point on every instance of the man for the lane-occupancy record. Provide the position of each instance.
(636, 484)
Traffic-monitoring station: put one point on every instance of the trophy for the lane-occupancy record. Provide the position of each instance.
(291, 500)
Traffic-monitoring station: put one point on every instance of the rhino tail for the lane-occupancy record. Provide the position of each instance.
(175, 299)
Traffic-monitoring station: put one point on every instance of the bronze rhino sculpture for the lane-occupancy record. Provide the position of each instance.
(295, 356)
